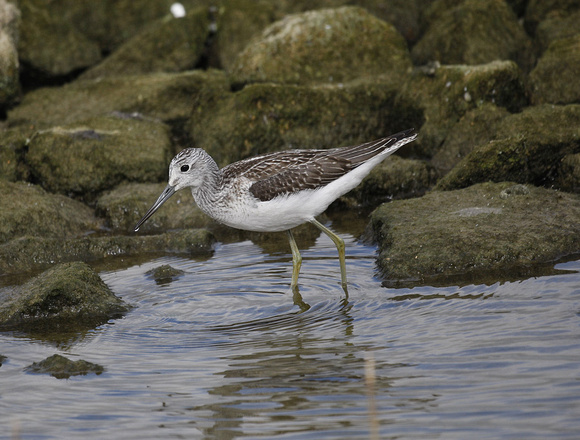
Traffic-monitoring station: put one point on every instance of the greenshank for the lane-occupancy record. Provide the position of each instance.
(277, 191)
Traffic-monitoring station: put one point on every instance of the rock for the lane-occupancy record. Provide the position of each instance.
(9, 64)
(12, 147)
(28, 210)
(164, 274)
(556, 26)
(66, 292)
(468, 233)
(474, 32)
(169, 44)
(50, 45)
(238, 21)
(395, 178)
(62, 368)
(555, 78)
(166, 96)
(523, 148)
(125, 205)
(88, 157)
(538, 10)
(569, 175)
(303, 48)
(32, 253)
(472, 130)
(262, 118)
(447, 93)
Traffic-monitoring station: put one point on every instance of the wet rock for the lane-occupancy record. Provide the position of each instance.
(12, 147)
(555, 78)
(237, 22)
(27, 209)
(395, 178)
(166, 96)
(125, 205)
(62, 368)
(2, 359)
(32, 253)
(51, 45)
(87, 157)
(474, 32)
(523, 148)
(9, 64)
(472, 130)
(447, 93)
(164, 274)
(303, 48)
(169, 44)
(66, 292)
(468, 233)
(262, 118)
(539, 10)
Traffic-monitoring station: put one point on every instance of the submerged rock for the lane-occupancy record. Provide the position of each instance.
(489, 227)
(66, 292)
(63, 368)
(164, 274)
(33, 253)
(304, 48)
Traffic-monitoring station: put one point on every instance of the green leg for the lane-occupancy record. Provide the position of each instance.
(339, 242)
(296, 260)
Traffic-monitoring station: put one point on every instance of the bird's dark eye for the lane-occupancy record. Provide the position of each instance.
(184, 168)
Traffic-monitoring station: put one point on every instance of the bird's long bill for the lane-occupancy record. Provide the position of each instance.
(167, 192)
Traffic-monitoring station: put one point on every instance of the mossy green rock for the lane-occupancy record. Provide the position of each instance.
(445, 94)
(27, 209)
(569, 176)
(70, 291)
(12, 147)
(167, 45)
(467, 233)
(33, 253)
(165, 96)
(262, 118)
(557, 26)
(164, 274)
(328, 45)
(526, 147)
(555, 79)
(475, 32)
(62, 368)
(87, 157)
(125, 205)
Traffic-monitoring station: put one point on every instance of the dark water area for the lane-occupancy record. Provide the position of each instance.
(226, 350)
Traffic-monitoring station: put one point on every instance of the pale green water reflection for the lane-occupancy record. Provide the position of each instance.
(223, 352)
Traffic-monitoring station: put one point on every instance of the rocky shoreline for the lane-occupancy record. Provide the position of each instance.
(97, 99)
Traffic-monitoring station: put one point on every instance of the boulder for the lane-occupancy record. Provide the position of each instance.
(62, 368)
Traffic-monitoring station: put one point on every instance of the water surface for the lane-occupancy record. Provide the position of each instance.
(228, 351)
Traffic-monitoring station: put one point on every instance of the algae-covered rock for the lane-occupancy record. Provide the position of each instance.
(555, 78)
(51, 45)
(449, 92)
(329, 45)
(557, 26)
(125, 205)
(9, 64)
(169, 44)
(62, 368)
(166, 96)
(70, 291)
(526, 147)
(268, 117)
(395, 178)
(164, 274)
(237, 22)
(475, 32)
(12, 147)
(27, 209)
(539, 10)
(467, 233)
(569, 175)
(32, 253)
(472, 130)
(87, 157)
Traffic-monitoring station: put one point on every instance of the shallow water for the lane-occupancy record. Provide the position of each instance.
(227, 351)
